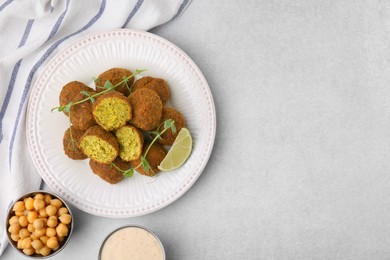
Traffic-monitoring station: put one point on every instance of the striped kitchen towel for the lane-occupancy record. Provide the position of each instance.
(32, 32)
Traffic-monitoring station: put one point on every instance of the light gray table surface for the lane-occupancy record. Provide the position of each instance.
(301, 163)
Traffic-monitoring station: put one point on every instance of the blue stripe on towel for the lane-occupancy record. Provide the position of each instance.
(59, 21)
(181, 8)
(38, 65)
(5, 4)
(133, 12)
(16, 68)
(13, 78)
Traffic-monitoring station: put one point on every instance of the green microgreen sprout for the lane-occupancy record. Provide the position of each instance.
(126, 173)
(72, 141)
(96, 80)
(168, 124)
(108, 86)
(89, 95)
(65, 108)
(126, 83)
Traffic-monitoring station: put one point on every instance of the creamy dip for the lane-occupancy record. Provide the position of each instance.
(133, 243)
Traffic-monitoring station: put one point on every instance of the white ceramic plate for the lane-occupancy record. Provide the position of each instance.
(81, 61)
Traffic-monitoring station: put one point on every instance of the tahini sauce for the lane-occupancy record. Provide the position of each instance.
(132, 243)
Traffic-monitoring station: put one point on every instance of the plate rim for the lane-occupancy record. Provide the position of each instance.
(86, 41)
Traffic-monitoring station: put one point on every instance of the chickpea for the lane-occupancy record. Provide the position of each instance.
(51, 210)
(44, 239)
(23, 233)
(19, 213)
(38, 223)
(19, 206)
(47, 199)
(23, 221)
(40, 232)
(37, 244)
(15, 237)
(39, 196)
(29, 203)
(44, 220)
(31, 216)
(65, 218)
(45, 251)
(13, 219)
(52, 242)
(26, 243)
(51, 232)
(61, 211)
(43, 213)
(56, 202)
(39, 204)
(19, 244)
(31, 228)
(62, 230)
(14, 228)
(33, 236)
(28, 251)
(52, 221)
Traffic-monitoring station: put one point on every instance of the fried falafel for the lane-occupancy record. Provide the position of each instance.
(71, 143)
(81, 114)
(169, 137)
(99, 145)
(156, 84)
(70, 90)
(130, 141)
(155, 156)
(147, 109)
(108, 172)
(112, 110)
(115, 75)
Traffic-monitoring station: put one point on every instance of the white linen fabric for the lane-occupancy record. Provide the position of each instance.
(33, 31)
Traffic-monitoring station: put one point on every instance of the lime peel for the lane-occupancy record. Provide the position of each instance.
(179, 152)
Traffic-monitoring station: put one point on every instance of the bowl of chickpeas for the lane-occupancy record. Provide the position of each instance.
(39, 224)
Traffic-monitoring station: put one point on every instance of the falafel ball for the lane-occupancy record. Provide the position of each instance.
(147, 109)
(108, 172)
(115, 75)
(71, 144)
(70, 91)
(130, 141)
(156, 84)
(99, 145)
(81, 114)
(169, 137)
(112, 110)
(155, 156)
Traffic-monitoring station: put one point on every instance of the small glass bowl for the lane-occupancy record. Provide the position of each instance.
(62, 244)
(123, 242)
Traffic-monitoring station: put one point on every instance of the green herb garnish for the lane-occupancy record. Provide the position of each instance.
(126, 173)
(108, 86)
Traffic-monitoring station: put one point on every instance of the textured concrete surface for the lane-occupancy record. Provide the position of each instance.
(300, 167)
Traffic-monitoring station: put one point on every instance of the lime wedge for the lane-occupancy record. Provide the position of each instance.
(179, 152)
